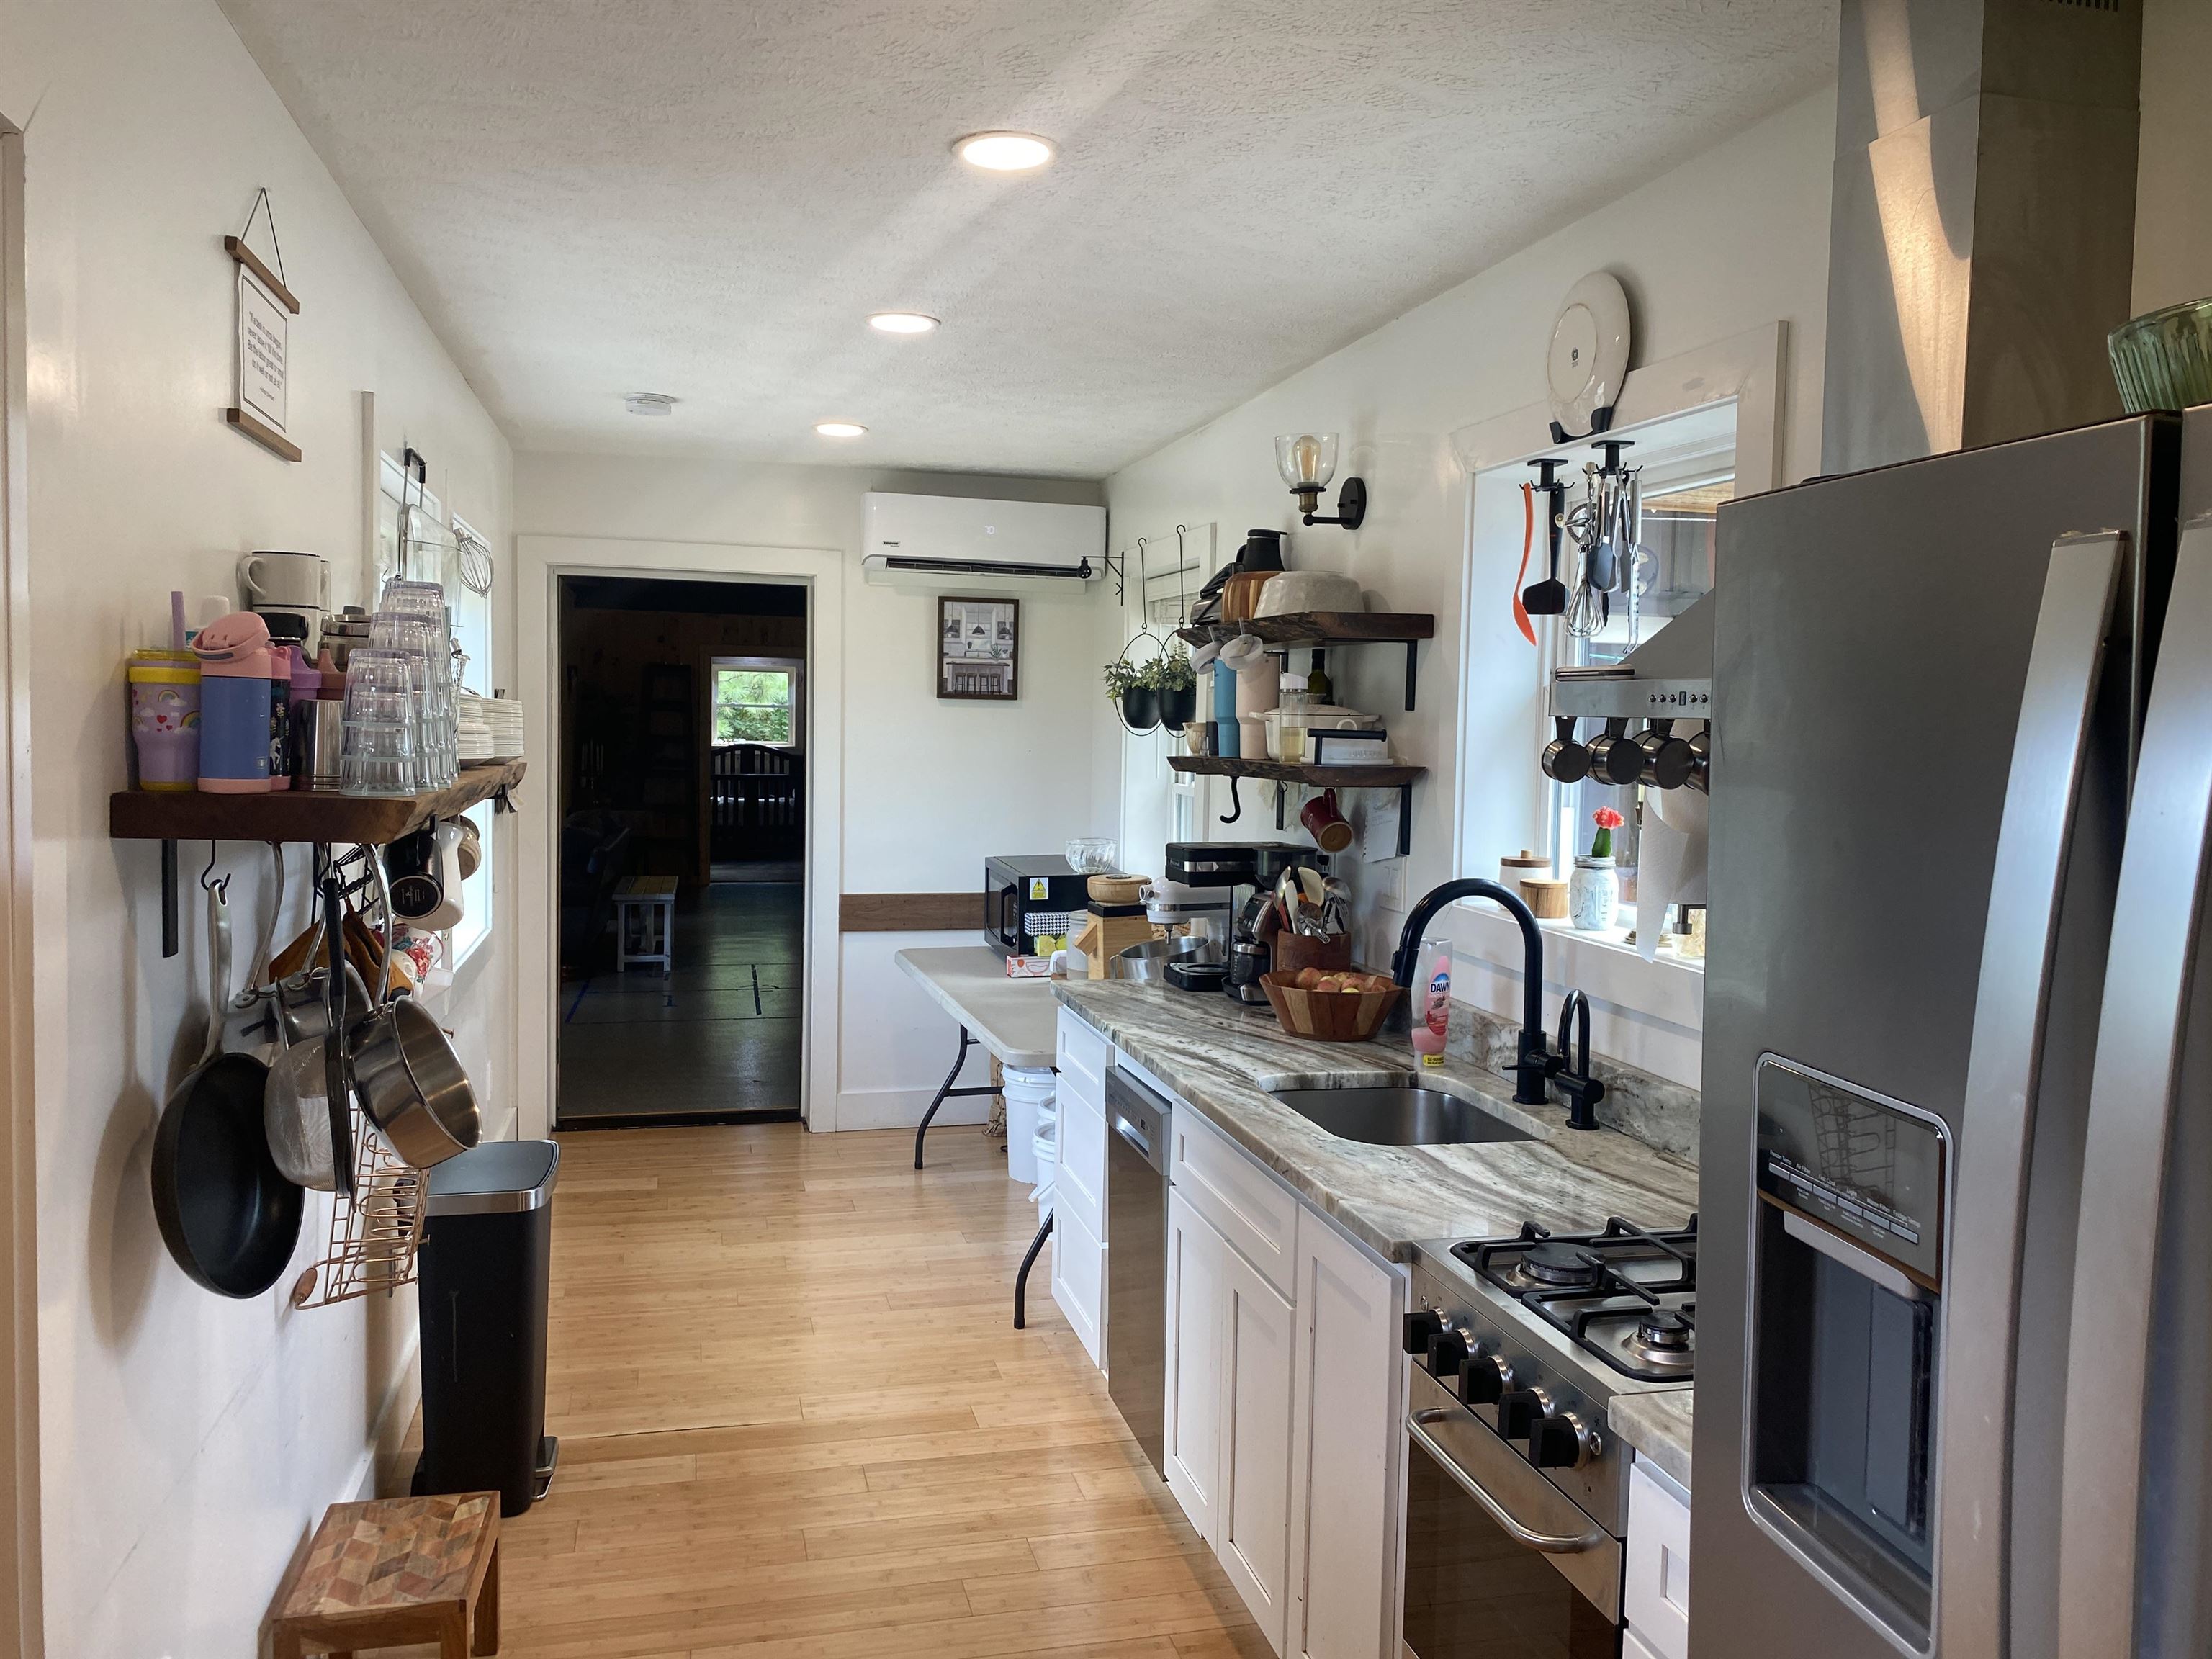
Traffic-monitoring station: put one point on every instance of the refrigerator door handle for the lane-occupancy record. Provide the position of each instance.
(2135, 1104)
(2043, 798)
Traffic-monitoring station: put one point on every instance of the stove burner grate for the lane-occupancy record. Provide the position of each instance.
(1623, 1294)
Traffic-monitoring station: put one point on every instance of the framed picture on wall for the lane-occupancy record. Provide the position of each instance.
(978, 649)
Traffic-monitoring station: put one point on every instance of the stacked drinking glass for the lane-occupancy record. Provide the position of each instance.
(401, 721)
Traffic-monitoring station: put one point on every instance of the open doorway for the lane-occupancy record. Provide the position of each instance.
(682, 850)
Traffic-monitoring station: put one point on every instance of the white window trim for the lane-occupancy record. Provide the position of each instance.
(1649, 1014)
(794, 666)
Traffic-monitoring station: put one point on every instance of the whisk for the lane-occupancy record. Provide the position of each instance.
(476, 566)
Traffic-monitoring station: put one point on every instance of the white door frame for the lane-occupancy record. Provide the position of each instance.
(22, 1603)
(540, 563)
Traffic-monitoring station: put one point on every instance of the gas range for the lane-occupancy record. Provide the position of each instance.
(1534, 1337)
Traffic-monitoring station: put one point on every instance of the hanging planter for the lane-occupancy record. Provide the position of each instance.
(1176, 681)
(1138, 703)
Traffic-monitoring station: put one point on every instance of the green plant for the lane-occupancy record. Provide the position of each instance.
(1171, 672)
(1608, 821)
(1122, 677)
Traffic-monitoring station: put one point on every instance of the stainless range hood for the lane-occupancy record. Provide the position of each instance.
(1982, 235)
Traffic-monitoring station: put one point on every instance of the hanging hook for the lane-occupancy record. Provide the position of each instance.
(220, 888)
(1182, 579)
(1236, 799)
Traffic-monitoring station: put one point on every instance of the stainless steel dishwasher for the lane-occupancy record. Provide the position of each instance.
(1136, 1259)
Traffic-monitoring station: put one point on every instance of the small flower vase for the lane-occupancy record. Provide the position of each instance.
(1593, 895)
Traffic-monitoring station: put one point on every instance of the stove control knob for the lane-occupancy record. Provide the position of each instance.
(1484, 1381)
(1562, 1443)
(1519, 1410)
(1447, 1354)
(1423, 1326)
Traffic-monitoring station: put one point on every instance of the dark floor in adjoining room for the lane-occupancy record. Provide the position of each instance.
(719, 1036)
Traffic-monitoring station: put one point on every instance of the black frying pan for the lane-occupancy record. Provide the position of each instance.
(227, 1212)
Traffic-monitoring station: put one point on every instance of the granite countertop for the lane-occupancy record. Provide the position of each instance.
(1223, 1059)
(1658, 1425)
(1014, 1019)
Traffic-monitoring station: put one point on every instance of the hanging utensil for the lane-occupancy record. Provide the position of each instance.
(1548, 598)
(1528, 544)
(337, 1108)
(229, 1217)
(411, 1083)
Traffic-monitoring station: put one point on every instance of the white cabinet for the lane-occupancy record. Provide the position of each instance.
(1192, 1437)
(1252, 1521)
(1079, 1278)
(1078, 1190)
(1655, 1587)
(1284, 1391)
(1348, 1389)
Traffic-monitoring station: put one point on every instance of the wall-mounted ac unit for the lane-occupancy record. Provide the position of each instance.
(939, 538)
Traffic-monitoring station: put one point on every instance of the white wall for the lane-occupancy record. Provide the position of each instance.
(189, 1442)
(2173, 190)
(1735, 239)
(930, 789)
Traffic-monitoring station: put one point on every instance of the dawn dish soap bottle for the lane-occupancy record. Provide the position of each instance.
(1432, 1016)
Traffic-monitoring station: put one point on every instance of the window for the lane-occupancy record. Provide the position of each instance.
(1688, 464)
(757, 700)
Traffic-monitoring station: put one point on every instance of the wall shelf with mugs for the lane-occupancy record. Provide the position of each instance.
(1282, 774)
(1329, 628)
(318, 816)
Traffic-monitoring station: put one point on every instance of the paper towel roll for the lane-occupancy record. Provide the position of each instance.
(1670, 861)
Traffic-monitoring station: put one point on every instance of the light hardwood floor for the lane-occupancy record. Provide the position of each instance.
(796, 1422)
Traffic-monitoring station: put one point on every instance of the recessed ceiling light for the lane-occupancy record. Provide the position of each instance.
(650, 403)
(1003, 152)
(839, 429)
(903, 322)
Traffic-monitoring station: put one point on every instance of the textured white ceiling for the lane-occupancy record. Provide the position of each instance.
(605, 197)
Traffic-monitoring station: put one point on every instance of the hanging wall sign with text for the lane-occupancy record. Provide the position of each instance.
(265, 309)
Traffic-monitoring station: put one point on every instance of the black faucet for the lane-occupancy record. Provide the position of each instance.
(1535, 1065)
(1583, 1090)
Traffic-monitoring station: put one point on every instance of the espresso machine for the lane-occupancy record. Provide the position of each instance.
(1215, 881)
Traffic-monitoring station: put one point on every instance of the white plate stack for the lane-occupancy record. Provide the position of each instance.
(504, 717)
(475, 731)
(491, 729)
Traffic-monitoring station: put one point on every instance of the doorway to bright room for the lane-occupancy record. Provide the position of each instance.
(681, 850)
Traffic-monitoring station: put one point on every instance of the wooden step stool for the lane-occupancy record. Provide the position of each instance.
(395, 1571)
(645, 908)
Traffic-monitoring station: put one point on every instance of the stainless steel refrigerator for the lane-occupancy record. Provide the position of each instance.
(1955, 1301)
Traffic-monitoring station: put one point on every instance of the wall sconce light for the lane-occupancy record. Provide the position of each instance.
(1307, 463)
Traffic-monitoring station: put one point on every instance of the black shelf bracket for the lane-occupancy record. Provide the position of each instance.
(1279, 787)
(168, 898)
(1405, 819)
(1412, 649)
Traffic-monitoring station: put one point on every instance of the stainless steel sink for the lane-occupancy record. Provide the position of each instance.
(1396, 1116)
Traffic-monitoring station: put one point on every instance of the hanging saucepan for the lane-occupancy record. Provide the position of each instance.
(249, 1018)
(409, 1080)
(311, 1144)
(227, 1212)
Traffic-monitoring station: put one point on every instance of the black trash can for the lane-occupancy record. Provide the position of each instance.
(487, 1249)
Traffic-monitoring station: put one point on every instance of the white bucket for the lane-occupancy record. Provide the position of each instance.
(1028, 1093)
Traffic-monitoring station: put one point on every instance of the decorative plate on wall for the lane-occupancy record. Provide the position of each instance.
(1589, 357)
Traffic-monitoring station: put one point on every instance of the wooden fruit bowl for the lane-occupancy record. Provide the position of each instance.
(1328, 1016)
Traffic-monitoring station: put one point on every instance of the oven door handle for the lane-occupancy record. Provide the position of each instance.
(1548, 1543)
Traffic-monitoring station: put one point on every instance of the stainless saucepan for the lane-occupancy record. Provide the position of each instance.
(409, 1080)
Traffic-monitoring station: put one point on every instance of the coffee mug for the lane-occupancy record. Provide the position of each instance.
(285, 581)
(1325, 824)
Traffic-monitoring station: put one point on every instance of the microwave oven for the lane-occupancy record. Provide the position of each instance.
(1026, 896)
